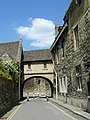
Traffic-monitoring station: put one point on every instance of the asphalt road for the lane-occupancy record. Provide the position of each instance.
(39, 109)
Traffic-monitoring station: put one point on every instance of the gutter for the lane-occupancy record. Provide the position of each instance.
(89, 3)
(19, 60)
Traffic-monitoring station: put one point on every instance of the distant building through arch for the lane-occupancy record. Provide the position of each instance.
(37, 86)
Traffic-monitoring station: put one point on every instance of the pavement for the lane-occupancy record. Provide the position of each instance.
(78, 113)
(75, 111)
(10, 113)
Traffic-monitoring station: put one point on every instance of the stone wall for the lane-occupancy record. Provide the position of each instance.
(77, 57)
(8, 95)
(74, 57)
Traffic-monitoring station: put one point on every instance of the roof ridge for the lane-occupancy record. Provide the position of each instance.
(35, 50)
(9, 42)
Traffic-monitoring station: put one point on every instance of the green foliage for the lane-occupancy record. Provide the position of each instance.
(3, 72)
(9, 70)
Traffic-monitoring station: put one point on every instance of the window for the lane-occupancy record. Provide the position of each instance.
(78, 77)
(78, 2)
(57, 55)
(76, 38)
(63, 84)
(29, 66)
(38, 82)
(62, 47)
(45, 65)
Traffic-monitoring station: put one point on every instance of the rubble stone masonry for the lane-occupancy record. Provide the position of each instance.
(8, 95)
(73, 57)
(80, 56)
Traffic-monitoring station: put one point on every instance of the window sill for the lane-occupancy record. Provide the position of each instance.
(88, 97)
(29, 69)
(62, 58)
(77, 49)
(57, 63)
(45, 69)
(79, 90)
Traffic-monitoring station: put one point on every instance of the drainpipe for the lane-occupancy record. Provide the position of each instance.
(56, 85)
(89, 3)
(19, 83)
(19, 56)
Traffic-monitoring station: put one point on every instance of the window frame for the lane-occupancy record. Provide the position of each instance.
(63, 47)
(45, 65)
(29, 66)
(79, 2)
(78, 78)
(76, 38)
(63, 84)
(57, 55)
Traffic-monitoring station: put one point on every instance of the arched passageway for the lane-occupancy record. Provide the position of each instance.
(37, 86)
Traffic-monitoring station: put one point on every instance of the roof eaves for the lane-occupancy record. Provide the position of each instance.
(57, 38)
(9, 42)
(37, 60)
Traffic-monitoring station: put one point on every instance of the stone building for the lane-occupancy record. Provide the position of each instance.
(13, 51)
(71, 53)
(38, 73)
(9, 89)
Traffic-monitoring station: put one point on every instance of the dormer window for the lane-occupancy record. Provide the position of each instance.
(6, 58)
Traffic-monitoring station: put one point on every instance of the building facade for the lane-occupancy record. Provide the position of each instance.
(13, 51)
(38, 72)
(71, 53)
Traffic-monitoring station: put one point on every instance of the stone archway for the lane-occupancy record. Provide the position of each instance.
(37, 86)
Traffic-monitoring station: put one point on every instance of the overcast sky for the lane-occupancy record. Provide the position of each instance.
(32, 20)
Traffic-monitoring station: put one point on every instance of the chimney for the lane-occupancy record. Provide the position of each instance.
(57, 29)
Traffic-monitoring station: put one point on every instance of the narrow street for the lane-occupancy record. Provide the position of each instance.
(39, 109)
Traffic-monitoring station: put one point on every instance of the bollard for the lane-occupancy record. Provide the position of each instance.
(47, 98)
(27, 96)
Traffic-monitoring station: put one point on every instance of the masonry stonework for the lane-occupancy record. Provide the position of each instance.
(8, 95)
(67, 57)
(37, 87)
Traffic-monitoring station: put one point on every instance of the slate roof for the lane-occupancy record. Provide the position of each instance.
(13, 49)
(37, 55)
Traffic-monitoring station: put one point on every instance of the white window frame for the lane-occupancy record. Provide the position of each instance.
(79, 79)
(63, 84)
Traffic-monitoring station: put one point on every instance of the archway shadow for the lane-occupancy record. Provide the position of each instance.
(50, 83)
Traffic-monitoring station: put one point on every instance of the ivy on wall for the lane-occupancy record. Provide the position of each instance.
(9, 70)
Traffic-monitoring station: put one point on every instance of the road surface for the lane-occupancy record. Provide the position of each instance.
(39, 109)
